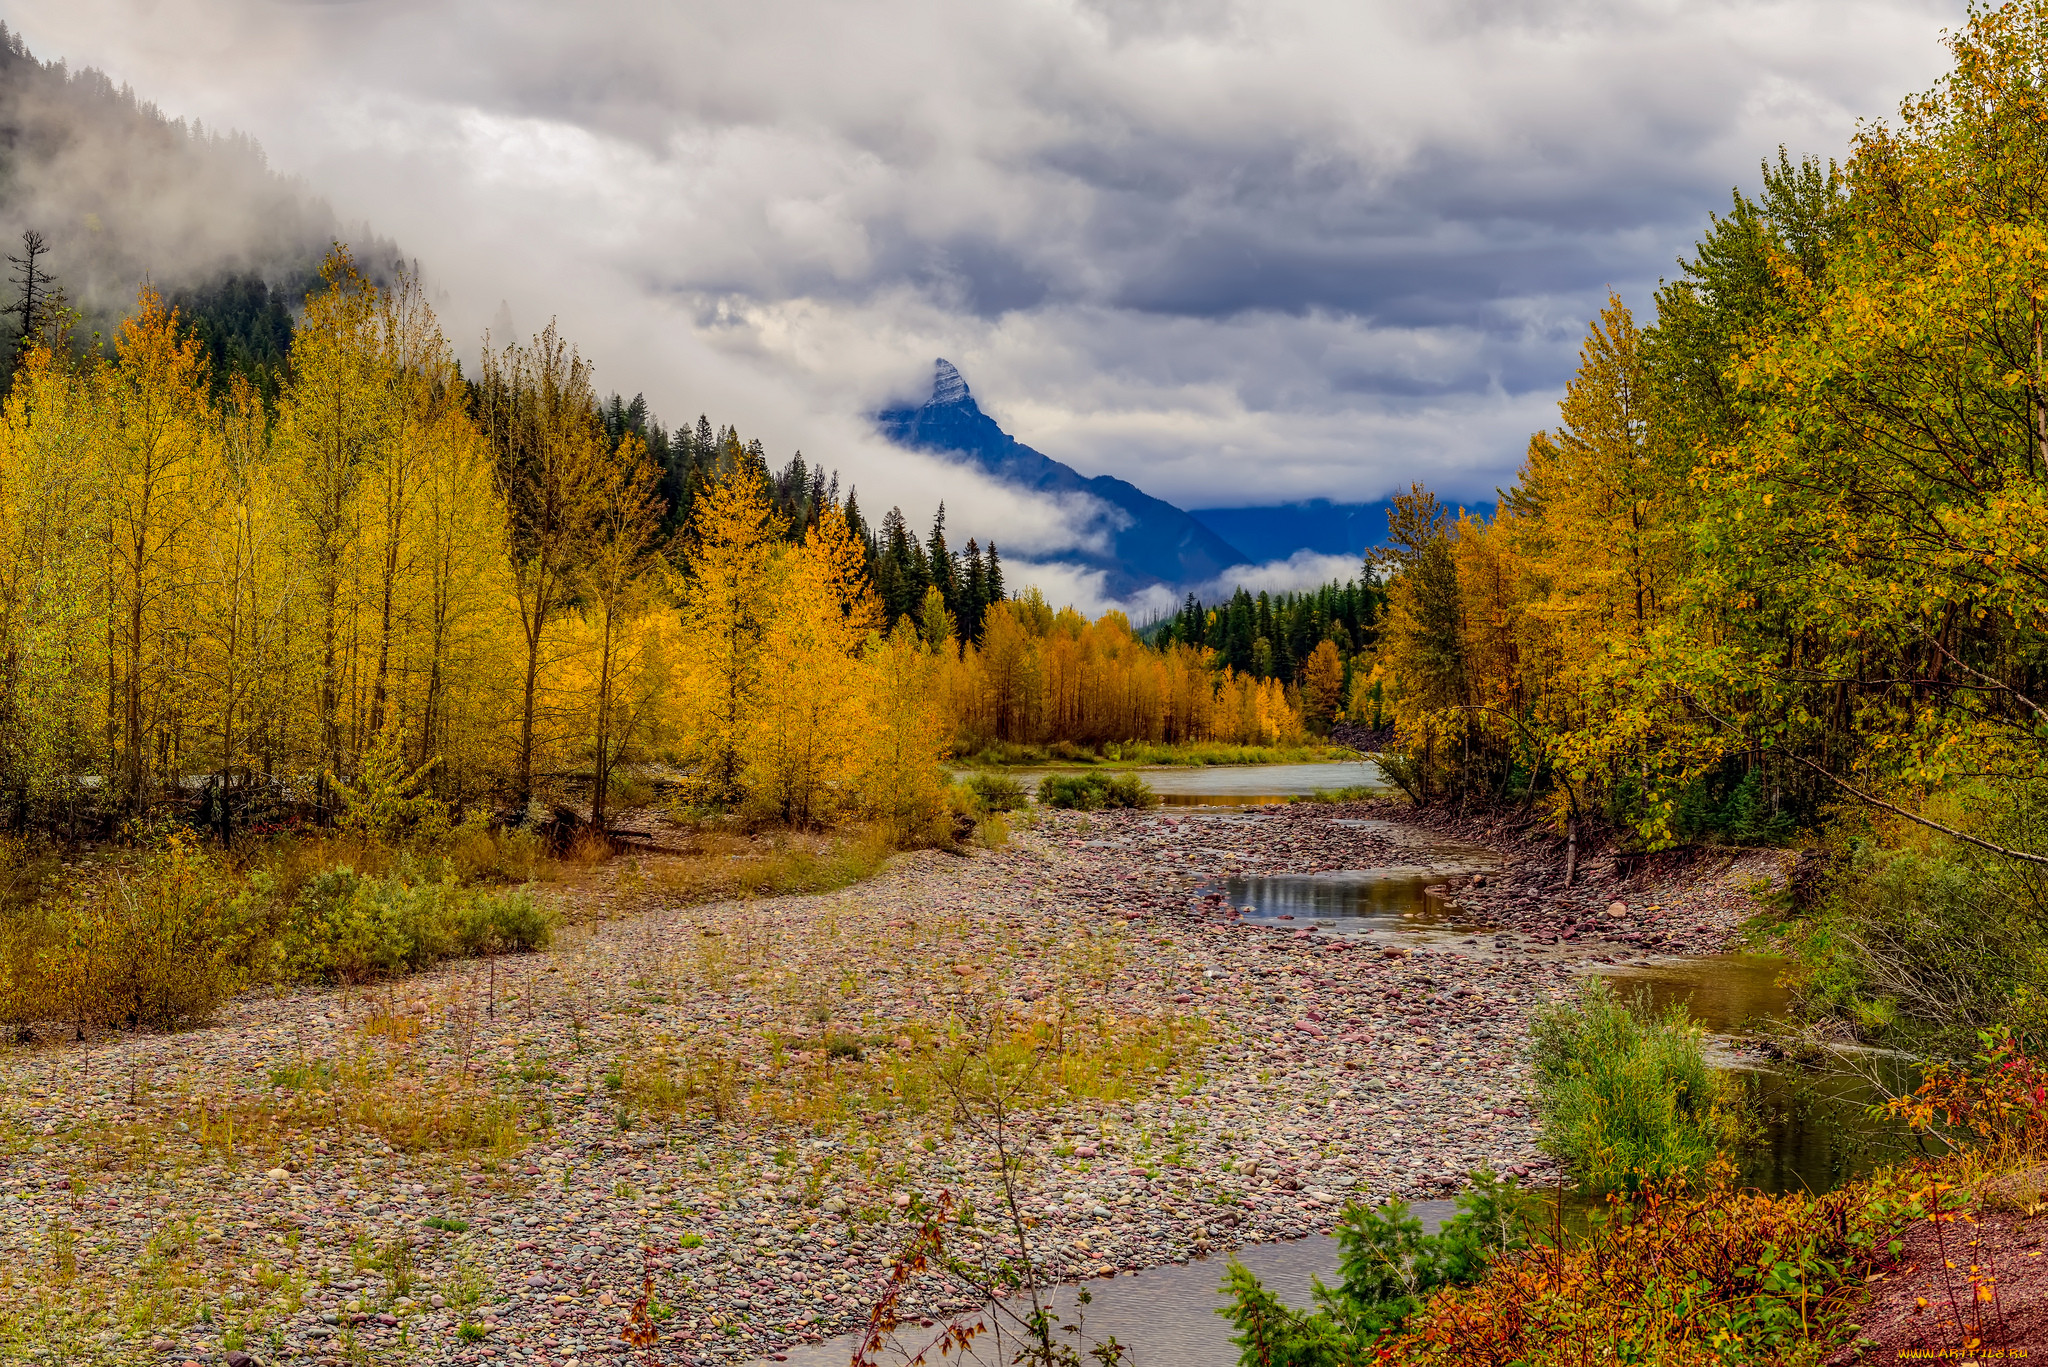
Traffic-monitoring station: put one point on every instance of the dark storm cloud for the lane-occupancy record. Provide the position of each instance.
(1228, 250)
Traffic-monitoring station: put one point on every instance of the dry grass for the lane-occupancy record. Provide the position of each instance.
(717, 865)
(839, 1011)
(831, 1077)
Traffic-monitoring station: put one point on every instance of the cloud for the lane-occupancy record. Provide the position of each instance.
(1085, 589)
(1233, 252)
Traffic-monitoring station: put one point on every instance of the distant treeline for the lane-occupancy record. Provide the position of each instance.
(1275, 635)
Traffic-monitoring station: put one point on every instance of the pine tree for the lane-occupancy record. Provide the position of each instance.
(973, 592)
(942, 573)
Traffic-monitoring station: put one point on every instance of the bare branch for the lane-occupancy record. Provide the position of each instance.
(1874, 801)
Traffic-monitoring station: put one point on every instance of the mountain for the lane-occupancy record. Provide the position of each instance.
(1157, 543)
(1277, 531)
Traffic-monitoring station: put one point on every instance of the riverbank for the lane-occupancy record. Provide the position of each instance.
(726, 1097)
(1148, 754)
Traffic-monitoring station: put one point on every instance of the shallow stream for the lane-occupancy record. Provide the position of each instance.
(1812, 1127)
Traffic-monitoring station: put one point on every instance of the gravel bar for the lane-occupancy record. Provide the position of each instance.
(1332, 1069)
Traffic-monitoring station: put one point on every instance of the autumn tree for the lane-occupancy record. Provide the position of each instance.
(729, 595)
(1322, 688)
(616, 577)
(538, 411)
(154, 447)
(803, 751)
(330, 426)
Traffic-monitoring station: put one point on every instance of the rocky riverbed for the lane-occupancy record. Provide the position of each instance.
(722, 1104)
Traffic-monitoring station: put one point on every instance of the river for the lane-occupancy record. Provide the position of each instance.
(1233, 785)
(1811, 1128)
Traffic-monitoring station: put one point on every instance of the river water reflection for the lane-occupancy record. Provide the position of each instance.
(1167, 1315)
(1816, 1130)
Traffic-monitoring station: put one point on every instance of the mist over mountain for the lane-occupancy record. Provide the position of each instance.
(1143, 541)
(124, 194)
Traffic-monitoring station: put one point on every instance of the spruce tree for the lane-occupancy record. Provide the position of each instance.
(973, 592)
(944, 574)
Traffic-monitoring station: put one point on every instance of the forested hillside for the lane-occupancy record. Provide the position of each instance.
(115, 192)
(1781, 564)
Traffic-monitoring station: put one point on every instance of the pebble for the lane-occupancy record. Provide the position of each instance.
(1335, 1070)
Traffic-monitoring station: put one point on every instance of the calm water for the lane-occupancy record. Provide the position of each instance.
(1167, 1315)
(1814, 1130)
(1233, 785)
(1390, 902)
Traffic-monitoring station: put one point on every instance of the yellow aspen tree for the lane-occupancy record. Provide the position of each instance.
(153, 448)
(539, 413)
(330, 424)
(905, 729)
(804, 749)
(728, 599)
(615, 579)
(245, 582)
(465, 587)
(49, 561)
(417, 373)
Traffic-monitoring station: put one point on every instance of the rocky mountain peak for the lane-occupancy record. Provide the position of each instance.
(947, 386)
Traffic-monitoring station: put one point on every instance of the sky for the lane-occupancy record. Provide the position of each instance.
(1235, 253)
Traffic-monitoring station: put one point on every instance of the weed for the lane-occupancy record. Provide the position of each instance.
(1624, 1093)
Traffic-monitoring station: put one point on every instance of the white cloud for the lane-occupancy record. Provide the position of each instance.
(1086, 591)
(1234, 252)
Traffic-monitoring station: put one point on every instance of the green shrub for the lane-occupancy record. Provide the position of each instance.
(997, 792)
(1073, 792)
(353, 928)
(1624, 1094)
(1093, 792)
(1923, 947)
(164, 939)
(1386, 1268)
(508, 854)
(1128, 790)
(509, 922)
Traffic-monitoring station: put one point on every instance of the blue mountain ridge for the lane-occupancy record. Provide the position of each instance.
(1276, 531)
(1159, 543)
